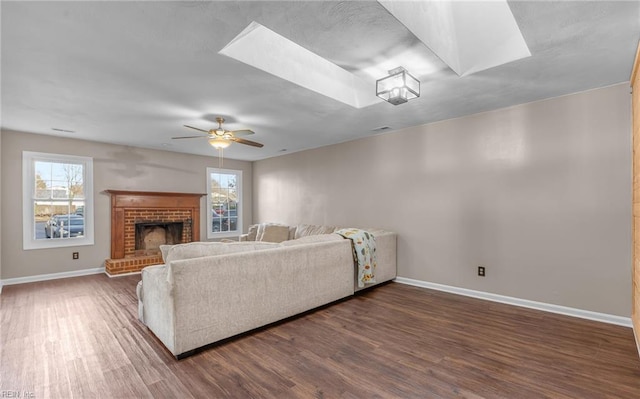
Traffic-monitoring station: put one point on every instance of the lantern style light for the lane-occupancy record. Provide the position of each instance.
(399, 87)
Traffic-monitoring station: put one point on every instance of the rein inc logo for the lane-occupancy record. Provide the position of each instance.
(17, 394)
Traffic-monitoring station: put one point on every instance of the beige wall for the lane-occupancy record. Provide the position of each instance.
(0, 211)
(540, 194)
(114, 167)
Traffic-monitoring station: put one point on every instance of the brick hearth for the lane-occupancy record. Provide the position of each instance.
(131, 207)
(131, 265)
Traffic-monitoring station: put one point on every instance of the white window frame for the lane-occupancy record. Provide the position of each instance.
(28, 199)
(224, 234)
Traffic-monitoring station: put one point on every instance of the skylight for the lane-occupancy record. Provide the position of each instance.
(264, 49)
(468, 36)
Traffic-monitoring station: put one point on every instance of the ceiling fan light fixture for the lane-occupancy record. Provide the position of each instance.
(220, 138)
(219, 143)
(399, 87)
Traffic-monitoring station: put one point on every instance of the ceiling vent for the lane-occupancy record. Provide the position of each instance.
(381, 129)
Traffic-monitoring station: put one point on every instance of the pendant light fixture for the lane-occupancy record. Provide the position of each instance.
(399, 87)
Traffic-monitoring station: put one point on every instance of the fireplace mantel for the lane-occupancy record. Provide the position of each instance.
(129, 207)
(147, 199)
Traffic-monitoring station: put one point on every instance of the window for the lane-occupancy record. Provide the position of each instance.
(57, 200)
(224, 202)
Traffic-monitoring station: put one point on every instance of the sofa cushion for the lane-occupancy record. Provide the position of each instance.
(312, 239)
(202, 249)
(274, 233)
(292, 232)
(252, 234)
(304, 230)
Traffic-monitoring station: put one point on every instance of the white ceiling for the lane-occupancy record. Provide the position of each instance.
(133, 73)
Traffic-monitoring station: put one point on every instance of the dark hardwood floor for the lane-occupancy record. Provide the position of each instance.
(80, 338)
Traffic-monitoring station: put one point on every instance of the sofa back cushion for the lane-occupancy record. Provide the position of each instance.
(304, 230)
(312, 239)
(252, 234)
(202, 249)
(292, 232)
(271, 232)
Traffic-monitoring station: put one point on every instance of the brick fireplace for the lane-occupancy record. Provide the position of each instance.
(141, 221)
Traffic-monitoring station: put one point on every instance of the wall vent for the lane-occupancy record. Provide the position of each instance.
(380, 129)
(62, 130)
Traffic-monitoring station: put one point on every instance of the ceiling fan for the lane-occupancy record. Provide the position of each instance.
(220, 138)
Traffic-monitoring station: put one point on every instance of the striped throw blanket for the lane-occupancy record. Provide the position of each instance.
(363, 245)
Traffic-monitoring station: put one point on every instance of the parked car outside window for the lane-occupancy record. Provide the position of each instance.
(227, 220)
(64, 226)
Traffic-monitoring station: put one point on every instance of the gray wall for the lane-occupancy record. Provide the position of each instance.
(539, 193)
(114, 167)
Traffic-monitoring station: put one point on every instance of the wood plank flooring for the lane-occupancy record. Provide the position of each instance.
(80, 338)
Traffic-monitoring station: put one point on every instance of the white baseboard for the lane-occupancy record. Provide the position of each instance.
(635, 336)
(51, 276)
(525, 303)
(121, 274)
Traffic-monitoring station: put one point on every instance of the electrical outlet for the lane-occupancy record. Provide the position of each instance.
(76, 255)
(481, 271)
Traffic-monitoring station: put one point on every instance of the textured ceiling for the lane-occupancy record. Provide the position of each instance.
(134, 72)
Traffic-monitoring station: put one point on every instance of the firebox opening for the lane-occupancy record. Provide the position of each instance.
(150, 235)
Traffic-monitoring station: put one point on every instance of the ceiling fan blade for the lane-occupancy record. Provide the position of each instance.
(189, 137)
(241, 132)
(247, 142)
(195, 128)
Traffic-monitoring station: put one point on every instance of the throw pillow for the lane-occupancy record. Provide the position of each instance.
(275, 233)
(262, 227)
(252, 234)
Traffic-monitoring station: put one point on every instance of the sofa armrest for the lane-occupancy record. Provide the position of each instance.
(158, 306)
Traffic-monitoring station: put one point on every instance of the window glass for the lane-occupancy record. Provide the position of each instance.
(224, 211)
(57, 205)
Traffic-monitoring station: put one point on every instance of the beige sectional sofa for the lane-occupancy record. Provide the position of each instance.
(209, 291)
